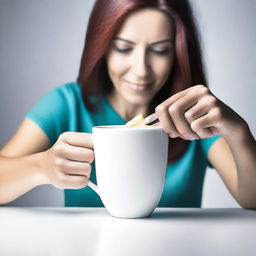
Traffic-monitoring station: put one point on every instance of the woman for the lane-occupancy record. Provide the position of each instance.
(139, 57)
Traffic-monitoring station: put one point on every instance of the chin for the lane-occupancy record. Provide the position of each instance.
(138, 100)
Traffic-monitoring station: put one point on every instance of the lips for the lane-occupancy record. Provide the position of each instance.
(138, 86)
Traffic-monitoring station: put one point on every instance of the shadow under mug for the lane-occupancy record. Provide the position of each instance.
(130, 169)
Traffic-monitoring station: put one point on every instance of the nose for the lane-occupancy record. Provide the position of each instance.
(140, 65)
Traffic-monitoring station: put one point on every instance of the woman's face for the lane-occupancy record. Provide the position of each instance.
(141, 56)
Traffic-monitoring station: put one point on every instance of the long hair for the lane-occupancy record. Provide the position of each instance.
(106, 18)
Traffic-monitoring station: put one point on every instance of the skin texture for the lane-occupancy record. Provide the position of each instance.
(139, 61)
(138, 68)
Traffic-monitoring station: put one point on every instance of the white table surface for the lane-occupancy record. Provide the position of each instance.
(92, 231)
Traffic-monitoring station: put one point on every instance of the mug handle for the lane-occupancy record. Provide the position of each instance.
(94, 187)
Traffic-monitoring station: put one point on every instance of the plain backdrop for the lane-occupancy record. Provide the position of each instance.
(40, 48)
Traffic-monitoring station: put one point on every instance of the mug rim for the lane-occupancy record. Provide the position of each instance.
(123, 128)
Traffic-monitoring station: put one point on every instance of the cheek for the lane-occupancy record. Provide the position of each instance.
(162, 69)
(115, 65)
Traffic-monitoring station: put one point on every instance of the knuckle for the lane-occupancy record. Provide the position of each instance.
(173, 108)
(58, 162)
(160, 108)
(90, 156)
(217, 113)
(64, 135)
(203, 89)
(89, 139)
(212, 100)
(58, 149)
(195, 126)
(189, 114)
(199, 86)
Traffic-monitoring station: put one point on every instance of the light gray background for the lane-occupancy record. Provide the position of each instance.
(40, 48)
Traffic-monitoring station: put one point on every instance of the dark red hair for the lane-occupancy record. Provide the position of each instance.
(106, 18)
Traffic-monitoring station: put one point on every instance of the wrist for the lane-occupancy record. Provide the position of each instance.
(240, 134)
(41, 174)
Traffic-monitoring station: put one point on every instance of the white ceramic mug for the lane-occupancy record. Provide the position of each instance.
(130, 169)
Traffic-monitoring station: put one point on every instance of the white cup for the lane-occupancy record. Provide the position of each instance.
(130, 169)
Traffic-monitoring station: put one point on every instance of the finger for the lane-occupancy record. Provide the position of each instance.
(195, 112)
(74, 181)
(203, 106)
(166, 122)
(79, 139)
(177, 112)
(193, 94)
(173, 98)
(74, 153)
(75, 168)
(197, 90)
(171, 134)
(202, 126)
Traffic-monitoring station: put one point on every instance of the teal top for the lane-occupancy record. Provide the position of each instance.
(62, 109)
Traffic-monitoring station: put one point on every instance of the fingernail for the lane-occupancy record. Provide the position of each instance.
(191, 138)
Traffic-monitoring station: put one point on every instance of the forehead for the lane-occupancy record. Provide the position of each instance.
(147, 24)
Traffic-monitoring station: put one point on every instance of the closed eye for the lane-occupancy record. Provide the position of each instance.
(160, 52)
(154, 51)
(123, 50)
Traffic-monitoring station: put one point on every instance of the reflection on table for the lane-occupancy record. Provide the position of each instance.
(92, 231)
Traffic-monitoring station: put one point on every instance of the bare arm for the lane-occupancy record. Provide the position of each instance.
(197, 113)
(235, 160)
(27, 161)
(20, 162)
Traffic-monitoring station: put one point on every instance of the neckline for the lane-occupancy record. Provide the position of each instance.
(107, 103)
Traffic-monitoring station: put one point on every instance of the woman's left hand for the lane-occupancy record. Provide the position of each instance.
(196, 113)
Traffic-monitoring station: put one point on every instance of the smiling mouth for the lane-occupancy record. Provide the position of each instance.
(139, 86)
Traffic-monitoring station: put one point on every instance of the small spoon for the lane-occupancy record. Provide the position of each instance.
(151, 119)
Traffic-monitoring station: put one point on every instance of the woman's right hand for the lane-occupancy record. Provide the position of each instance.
(67, 164)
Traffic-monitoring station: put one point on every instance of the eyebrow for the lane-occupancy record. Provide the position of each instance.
(154, 43)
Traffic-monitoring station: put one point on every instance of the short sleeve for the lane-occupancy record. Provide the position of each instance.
(206, 145)
(51, 114)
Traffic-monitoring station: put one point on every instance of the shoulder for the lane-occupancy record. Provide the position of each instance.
(70, 87)
(67, 90)
(61, 96)
(55, 111)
